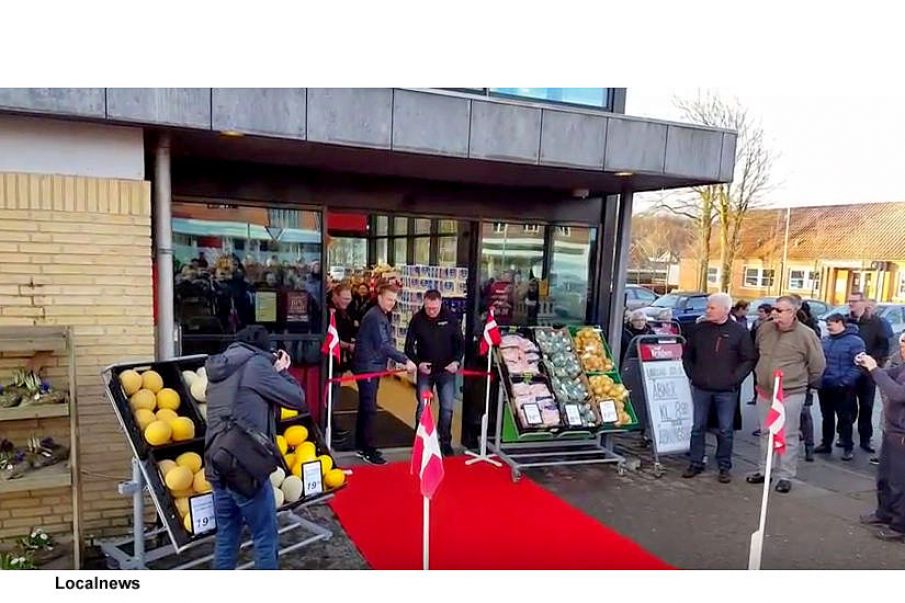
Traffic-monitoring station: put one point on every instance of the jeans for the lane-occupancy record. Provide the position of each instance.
(367, 411)
(866, 391)
(725, 403)
(785, 466)
(806, 422)
(231, 510)
(891, 481)
(838, 402)
(446, 391)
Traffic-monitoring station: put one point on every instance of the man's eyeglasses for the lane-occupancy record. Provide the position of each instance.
(782, 311)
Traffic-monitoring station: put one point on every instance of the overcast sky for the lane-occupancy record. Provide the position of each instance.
(832, 146)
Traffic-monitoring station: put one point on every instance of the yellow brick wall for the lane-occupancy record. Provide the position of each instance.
(77, 251)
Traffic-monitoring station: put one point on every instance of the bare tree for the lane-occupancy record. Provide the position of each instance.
(730, 202)
(658, 237)
(698, 207)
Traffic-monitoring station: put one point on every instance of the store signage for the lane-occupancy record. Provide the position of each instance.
(312, 479)
(608, 412)
(297, 306)
(668, 395)
(201, 511)
(573, 416)
(661, 351)
(532, 414)
(266, 306)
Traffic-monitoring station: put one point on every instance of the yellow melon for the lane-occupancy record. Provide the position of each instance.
(190, 460)
(168, 398)
(131, 382)
(182, 505)
(187, 523)
(295, 435)
(306, 450)
(334, 478)
(200, 483)
(158, 433)
(143, 398)
(290, 459)
(282, 444)
(167, 415)
(288, 413)
(326, 463)
(187, 493)
(165, 466)
(183, 429)
(152, 380)
(179, 478)
(144, 417)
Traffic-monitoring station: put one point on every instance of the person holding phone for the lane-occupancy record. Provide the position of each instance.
(436, 344)
(890, 513)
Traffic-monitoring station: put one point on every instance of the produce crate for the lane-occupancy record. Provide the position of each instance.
(192, 363)
(315, 436)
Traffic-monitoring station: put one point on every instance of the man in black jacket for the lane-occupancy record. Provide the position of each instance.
(718, 357)
(340, 300)
(247, 383)
(436, 344)
(876, 333)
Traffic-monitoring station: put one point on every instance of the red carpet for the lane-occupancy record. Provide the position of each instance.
(480, 519)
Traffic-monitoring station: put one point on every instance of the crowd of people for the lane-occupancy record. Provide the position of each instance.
(845, 368)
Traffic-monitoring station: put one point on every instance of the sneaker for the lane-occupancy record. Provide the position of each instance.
(848, 455)
(725, 477)
(874, 460)
(755, 478)
(373, 457)
(871, 519)
(692, 471)
(823, 449)
(783, 486)
(867, 448)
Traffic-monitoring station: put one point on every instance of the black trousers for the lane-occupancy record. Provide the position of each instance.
(891, 481)
(838, 403)
(367, 411)
(866, 391)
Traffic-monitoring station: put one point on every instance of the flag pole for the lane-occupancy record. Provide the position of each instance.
(330, 403)
(483, 456)
(426, 543)
(757, 538)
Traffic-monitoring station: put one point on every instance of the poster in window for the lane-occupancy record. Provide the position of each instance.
(266, 306)
(297, 306)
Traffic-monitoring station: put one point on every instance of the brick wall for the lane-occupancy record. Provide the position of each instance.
(77, 251)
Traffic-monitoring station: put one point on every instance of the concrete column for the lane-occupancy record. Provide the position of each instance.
(620, 270)
(163, 248)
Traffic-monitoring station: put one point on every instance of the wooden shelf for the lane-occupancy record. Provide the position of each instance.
(56, 476)
(33, 339)
(45, 411)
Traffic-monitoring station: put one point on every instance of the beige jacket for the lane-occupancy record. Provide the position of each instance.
(797, 353)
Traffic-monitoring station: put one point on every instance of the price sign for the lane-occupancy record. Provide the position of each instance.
(532, 414)
(608, 412)
(201, 510)
(312, 480)
(573, 415)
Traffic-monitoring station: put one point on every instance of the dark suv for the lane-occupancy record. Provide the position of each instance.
(682, 306)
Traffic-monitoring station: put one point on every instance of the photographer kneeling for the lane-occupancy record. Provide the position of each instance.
(246, 386)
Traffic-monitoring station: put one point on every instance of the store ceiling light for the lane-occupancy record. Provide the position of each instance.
(625, 174)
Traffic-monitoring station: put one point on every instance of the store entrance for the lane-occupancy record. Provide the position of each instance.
(417, 253)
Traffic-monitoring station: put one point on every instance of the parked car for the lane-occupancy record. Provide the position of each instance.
(682, 306)
(818, 308)
(637, 296)
(894, 313)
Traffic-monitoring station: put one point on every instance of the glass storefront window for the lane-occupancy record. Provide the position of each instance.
(447, 251)
(449, 227)
(346, 254)
(383, 223)
(400, 226)
(422, 227)
(590, 97)
(422, 250)
(512, 271)
(400, 250)
(382, 254)
(569, 284)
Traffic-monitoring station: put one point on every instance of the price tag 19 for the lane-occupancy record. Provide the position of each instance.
(573, 415)
(312, 479)
(532, 414)
(608, 412)
(201, 510)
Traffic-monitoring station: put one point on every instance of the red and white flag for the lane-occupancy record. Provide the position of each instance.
(491, 336)
(331, 342)
(427, 462)
(776, 416)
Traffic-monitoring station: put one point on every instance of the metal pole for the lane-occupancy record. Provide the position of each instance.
(138, 513)
(620, 269)
(163, 240)
(427, 521)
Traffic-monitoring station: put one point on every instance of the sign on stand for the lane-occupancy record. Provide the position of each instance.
(668, 394)
(201, 510)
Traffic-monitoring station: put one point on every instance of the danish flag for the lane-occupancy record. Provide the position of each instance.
(427, 462)
(776, 416)
(491, 336)
(331, 342)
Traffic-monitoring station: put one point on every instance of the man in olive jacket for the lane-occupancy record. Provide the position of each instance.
(787, 345)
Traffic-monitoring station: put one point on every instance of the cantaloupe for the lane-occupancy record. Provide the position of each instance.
(187, 523)
(131, 382)
(152, 380)
(278, 498)
(158, 433)
(144, 417)
(168, 398)
(200, 483)
(334, 478)
(190, 460)
(189, 377)
(183, 429)
(166, 415)
(199, 389)
(182, 506)
(306, 450)
(179, 478)
(165, 466)
(143, 398)
(295, 435)
(282, 444)
(292, 488)
(288, 413)
(277, 477)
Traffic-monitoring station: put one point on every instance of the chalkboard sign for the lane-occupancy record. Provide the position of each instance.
(668, 395)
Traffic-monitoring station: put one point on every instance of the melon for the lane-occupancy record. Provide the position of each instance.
(295, 435)
(200, 483)
(202, 373)
(202, 409)
(307, 451)
(278, 497)
(199, 389)
(290, 459)
(277, 477)
(144, 417)
(166, 415)
(190, 460)
(288, 413)
(143, 398)
(334, 478)
(182, 506)
(189, 377)
(292, 488)
(187, 523)
(165, 466)
(183, 429)
(326, 463)
(152, 380)
(131, 382)
(168, 398)
(187, 493)
(282, 444)
(158, 433)
(179, 478)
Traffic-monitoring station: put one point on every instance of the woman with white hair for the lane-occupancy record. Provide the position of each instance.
(635, 325)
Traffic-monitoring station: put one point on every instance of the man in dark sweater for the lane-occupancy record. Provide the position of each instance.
(876, 333)
(718, 357)
(436, 344)
(340, 300)
(373, 349)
